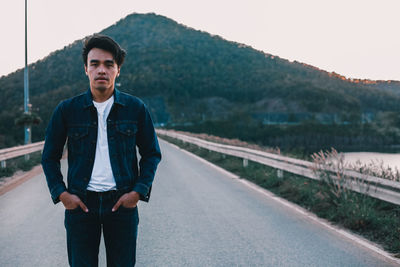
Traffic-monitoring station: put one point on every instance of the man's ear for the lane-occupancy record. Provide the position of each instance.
(119, 69)
(85, 70)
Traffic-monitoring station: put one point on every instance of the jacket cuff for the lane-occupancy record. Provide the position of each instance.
(143, 190)
(56, 192)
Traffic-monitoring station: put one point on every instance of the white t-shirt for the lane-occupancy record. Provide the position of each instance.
(102, 178)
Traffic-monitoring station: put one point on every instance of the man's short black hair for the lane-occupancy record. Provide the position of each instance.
(106, 43)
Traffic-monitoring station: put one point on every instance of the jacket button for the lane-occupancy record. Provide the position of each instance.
(85, 179)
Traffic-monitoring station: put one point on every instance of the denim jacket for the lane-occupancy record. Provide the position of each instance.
(128, 125)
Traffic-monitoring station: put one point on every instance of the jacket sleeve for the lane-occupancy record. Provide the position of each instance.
(52, 152)
(150, 153)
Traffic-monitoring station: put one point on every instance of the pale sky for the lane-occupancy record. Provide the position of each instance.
(355, 38)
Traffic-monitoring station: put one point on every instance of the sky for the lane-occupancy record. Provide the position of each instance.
(355, 38)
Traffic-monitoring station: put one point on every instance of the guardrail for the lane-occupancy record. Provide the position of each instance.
(13, 152)
(376, 187)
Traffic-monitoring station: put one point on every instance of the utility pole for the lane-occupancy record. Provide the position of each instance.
(27, 127)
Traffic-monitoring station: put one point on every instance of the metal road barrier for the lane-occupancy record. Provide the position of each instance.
(376, 187)
(13, 152)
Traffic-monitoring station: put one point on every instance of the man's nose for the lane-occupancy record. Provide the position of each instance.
(101, 69)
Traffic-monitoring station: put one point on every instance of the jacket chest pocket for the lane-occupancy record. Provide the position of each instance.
(77, 137)
(127, 136)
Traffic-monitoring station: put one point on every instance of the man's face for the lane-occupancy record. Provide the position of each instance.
(101, 70)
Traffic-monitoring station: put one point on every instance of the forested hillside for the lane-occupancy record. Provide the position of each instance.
(191, 79)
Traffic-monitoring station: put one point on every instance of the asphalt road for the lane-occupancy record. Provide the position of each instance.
(197, 216)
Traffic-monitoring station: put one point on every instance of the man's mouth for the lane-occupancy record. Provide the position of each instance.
(101, 79)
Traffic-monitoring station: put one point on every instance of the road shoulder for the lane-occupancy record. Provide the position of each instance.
(373, 247)
(9, 183)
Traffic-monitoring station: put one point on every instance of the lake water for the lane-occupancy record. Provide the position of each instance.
(389, 160)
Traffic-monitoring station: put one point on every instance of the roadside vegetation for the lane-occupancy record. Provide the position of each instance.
(306, 137)
(19, 163)
(376, 220)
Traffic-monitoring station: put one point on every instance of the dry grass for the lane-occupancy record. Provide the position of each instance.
(376, 168)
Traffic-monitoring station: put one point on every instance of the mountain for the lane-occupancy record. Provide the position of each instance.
(188, 77)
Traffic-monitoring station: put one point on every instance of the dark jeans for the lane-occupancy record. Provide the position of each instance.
(84, 231)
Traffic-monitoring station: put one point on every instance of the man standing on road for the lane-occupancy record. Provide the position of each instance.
(105, 183)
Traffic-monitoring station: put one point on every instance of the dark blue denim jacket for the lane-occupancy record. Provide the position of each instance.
(128, 125)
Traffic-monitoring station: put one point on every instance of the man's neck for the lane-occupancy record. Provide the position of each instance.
(101, 96)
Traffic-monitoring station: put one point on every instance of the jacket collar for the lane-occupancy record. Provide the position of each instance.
(88, 98)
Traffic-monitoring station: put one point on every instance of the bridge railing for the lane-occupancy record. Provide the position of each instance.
(376, 187)
(17, 151)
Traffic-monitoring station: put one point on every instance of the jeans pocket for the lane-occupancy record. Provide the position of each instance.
(131, 212)
(76, 210)
(127, 209)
